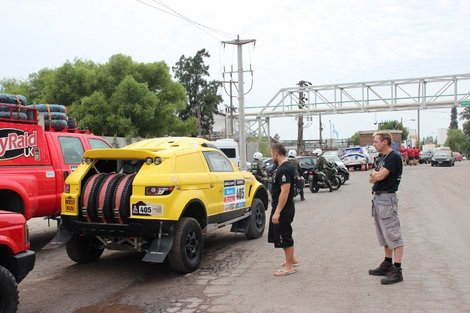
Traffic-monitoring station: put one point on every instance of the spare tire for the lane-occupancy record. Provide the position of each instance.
(49, 107)
(14, 115)
(54, 116)
(55, 124)
(122, 199)
(110, 198)
(71, 122)
(13, 99)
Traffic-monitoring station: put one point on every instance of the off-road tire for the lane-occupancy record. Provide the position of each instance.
(8, 292)
(84, 248)
(257, 220)
(186, 253)
(92, 206)
(110, 199)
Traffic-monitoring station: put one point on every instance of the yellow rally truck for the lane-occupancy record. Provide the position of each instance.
(158, 196)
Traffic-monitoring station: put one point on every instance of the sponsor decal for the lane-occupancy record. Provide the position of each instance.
(15, 143)
(234, 194)
(147, 209)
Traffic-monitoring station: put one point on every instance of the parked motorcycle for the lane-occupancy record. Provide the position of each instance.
(262, 179)
(319, 180)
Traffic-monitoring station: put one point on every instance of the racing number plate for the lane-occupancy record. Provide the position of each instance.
(70, 205)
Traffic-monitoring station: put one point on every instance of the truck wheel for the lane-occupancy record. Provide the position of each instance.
(257, 220)
(8, 292)
(84, 248)
(186, 253)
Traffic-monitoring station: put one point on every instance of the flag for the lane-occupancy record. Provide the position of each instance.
(335, 131)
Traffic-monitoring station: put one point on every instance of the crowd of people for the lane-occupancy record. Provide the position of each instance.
(410, 155)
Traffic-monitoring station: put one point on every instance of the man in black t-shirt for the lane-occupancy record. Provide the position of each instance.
(385, 179)
(283, 209)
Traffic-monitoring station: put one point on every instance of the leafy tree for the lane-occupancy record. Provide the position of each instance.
(457, 141)
(454, 124)
(465, 116)
(394, 125)
(355, 139)
(202, 94)
(117, 98)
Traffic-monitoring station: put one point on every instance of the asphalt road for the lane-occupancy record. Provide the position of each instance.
(335, 243)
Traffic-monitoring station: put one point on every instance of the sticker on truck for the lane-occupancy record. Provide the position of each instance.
(147, 209)
(15, 143)
(234, 194)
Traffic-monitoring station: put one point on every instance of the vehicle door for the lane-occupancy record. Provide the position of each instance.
(228, 194)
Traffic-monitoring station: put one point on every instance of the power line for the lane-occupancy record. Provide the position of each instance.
(176, 14)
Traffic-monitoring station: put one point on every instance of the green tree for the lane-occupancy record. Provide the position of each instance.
(120, 97)
(457, 141)
(203, 99)
(465, 116)
(454, 124)
(355, 139)
(394, 125)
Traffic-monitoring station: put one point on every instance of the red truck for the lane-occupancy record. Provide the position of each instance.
(34, 162)
(16, 261)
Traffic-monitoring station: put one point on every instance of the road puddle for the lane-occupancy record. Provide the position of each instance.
(110, 308)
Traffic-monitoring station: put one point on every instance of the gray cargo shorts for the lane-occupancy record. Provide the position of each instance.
(387, 223)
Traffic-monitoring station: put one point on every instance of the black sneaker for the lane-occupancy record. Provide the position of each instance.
(382, 270)
(393, 276)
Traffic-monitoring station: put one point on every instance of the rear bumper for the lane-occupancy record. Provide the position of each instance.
(21, 264)
(135, 228)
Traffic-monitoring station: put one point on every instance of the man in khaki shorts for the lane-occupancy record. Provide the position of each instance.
(385, 179)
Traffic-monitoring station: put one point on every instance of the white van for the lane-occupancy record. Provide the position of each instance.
(230, 148)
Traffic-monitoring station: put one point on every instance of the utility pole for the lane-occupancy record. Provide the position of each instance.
(320, 130)
(300, 119)
(241, 97)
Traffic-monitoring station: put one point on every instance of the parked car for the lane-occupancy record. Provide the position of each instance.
(342, 169)
(442, 158)
(425, 156)
(457, 156)
(355, 160)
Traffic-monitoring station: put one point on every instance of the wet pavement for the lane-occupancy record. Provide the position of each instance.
(335, 244)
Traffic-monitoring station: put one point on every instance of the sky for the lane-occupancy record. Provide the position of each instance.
(321, 41)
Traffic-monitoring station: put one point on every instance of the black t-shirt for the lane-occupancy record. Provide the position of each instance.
(394, 164)
(284, 174)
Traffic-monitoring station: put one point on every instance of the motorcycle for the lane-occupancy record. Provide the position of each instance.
(319, 180)
(262, 179)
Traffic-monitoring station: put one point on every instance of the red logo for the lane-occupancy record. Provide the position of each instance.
(16, 142)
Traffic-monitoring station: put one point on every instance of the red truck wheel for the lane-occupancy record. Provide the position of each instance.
(8, 291)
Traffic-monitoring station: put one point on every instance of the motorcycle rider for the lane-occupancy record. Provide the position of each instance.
(257, 167)
(299, 179)
(323, 166)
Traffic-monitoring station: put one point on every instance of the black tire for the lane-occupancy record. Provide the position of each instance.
(257, 220)
(13, 99)
(342, 178)
(313, 186)
(71, 122)
(55, 124)
(335, 183)
(110, 198)
(84, 248)
(124, 206)
(49, 107)
(92, 205)
(8, 292)
(186, 253)
(54, 116)
(14, 115)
